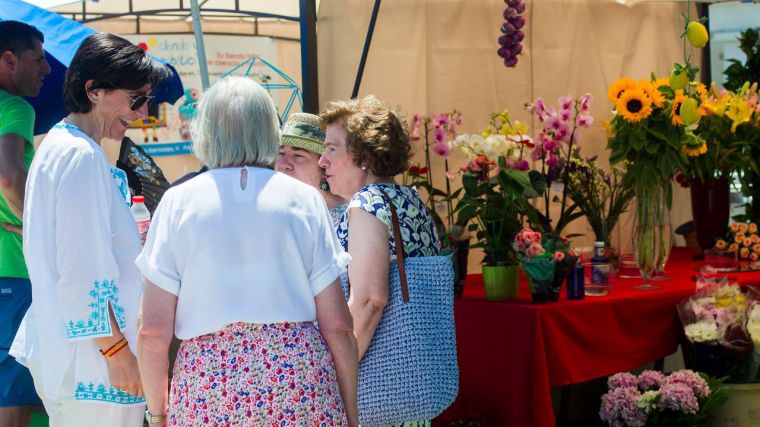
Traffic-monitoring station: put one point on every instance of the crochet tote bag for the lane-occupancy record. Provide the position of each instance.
(410, 370)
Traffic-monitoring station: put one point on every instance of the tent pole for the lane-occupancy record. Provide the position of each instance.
(365, 52)
(309, 75)
(200, 47)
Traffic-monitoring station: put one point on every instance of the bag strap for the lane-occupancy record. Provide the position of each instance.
(399, 249)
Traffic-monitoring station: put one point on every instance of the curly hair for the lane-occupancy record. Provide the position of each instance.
(377, 137)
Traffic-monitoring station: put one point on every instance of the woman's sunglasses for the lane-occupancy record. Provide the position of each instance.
(138, 101)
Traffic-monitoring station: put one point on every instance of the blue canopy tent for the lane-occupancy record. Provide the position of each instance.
(62, 38)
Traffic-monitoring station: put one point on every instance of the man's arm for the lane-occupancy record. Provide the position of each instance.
(12, 171)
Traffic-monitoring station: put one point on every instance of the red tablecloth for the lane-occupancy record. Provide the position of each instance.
(512, 352)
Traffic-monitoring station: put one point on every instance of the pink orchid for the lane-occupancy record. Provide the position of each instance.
(439, 135)
(552, 161)
(459, 119)
(565, 103)
(584, 120)
(415, 135)
(586, 102)
(442, 149)
(576, 137)
(553, 123)
(441, 119)
(564, 115)
(539, 108)
(537, 153)
(521, 164)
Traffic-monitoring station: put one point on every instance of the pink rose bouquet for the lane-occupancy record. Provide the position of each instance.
(546, 262)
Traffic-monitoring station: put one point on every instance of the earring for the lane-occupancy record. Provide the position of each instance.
(364, 168)
(324, 185)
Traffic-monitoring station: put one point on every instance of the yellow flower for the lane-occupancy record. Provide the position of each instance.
(675, 111)
(733, 247)
(743, 228)
(695, 151)
(653, 93)
(617, 88)
(702, 92)
(752, 227)
(519, 128)
(634, 105)
(744, 253)
(716, 106)
(486, 133)
(755, 238)
(739, 111)
(720, 244)
(739, 237)
(661, 82)
(734, 227)
(607, 128)
(746, 242)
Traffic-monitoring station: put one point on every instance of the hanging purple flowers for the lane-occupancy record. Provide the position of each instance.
(509, 42)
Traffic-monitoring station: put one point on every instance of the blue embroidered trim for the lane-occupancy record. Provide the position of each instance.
(65, 126)
(98, 323)
(120, 177)
(103, 394)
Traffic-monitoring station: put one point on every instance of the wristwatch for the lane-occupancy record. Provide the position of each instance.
(153, 419)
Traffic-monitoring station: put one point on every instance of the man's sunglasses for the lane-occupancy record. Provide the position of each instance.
(138, 101)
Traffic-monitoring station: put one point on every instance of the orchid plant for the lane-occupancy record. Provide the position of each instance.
(553, 148)
(436, 133)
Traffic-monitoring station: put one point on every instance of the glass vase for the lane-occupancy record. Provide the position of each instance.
(652, 231)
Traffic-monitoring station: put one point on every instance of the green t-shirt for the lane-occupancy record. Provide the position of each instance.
(17, 117)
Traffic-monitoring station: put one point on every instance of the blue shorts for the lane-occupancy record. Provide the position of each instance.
(16, 386)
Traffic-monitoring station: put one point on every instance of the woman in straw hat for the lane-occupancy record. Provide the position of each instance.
(301, 143)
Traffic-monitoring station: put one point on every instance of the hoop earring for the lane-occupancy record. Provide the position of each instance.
(324, 185)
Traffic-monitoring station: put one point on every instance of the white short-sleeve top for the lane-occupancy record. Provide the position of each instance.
(257, 255)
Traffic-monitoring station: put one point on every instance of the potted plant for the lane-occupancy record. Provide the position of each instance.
(495, 199)
(546, 261)
(682, 399)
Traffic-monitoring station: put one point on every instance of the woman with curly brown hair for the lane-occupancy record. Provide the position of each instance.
(366, 146)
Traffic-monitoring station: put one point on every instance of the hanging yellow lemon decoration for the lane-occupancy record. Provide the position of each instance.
(697, 35)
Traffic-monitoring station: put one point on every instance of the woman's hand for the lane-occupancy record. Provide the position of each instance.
(12, 228)
(123, 373)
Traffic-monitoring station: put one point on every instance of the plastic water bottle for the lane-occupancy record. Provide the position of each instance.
(142, 216)
(600, 266)
(576, 282)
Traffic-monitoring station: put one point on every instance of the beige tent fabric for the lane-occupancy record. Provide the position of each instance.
(437, 55)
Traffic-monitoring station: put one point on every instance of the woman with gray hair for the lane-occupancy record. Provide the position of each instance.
(239, 263)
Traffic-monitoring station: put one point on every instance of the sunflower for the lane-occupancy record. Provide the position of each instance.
(653, 93)
(617, 88)
(702, 92)
(661, 82)
(695, 152)
(634, 105)
(695, 146)
(675, 112)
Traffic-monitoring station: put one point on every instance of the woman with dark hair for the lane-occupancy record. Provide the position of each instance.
(80, 242)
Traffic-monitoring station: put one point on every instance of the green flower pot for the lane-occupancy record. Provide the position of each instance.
(501, 282)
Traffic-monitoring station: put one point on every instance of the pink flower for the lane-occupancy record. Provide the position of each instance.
(441, 119)
(584, 120)
(622, 380)
(526, 237)
(553, 123)
(459, 119)
(649, 380)
(439, 135)
(442, 149)
(620, 407)
(535, 250)
(690, 379)
(576, 137)
(552, 161)
(539, 108)
(678, 397)
(559, 256)
(521, 164)
(586, 102)
(415, 135)
(564, 115)
(537, 153)
(565, 103)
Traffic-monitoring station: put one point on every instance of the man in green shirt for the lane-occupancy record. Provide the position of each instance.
(22, 69)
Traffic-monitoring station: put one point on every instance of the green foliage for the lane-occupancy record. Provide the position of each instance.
(738, 73)
(497, 205)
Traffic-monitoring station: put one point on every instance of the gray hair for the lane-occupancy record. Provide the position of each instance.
(236, 124)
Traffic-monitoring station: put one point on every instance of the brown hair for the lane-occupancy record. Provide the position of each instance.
(377, 137)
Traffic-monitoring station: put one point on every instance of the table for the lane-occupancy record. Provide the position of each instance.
(512, 352)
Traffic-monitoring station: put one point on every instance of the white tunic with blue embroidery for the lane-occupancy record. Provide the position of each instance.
(80, 242)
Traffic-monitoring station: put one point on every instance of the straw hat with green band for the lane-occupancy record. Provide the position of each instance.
(304, 130)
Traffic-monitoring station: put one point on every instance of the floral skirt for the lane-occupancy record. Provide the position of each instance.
(256, 375)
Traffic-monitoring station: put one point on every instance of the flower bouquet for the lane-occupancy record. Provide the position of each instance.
(743, 241)
(546, 262)
(683, 398)
(715, 324)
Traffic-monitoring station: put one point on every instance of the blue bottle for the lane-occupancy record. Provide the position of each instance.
(576, 288)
